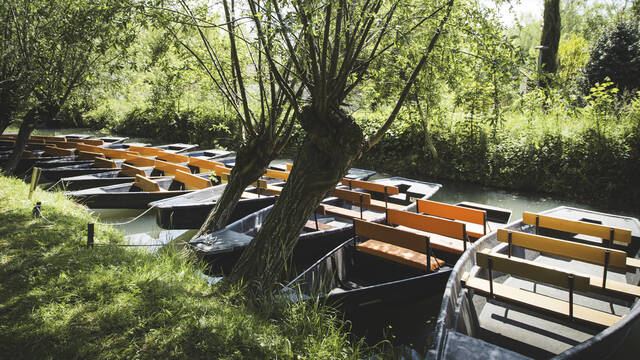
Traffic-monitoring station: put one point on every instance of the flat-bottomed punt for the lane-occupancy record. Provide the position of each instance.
(327, 228)
(561, 284)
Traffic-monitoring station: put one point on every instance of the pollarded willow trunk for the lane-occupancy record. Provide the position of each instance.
(28, 124)
(251, 162)
(326, 154)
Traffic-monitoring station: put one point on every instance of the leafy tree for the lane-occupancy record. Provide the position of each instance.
(332, 45)
(247, 80)
(616, 54)
(60, 43)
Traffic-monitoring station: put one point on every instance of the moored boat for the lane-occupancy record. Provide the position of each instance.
(191, 210)
(559, 284)
(137, 194)
(327, 228)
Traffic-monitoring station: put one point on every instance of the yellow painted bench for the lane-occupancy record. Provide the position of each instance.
(476, 220)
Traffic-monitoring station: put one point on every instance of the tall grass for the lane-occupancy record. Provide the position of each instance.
(59, 299)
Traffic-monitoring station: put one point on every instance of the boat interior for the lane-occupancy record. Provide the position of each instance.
(547, 284)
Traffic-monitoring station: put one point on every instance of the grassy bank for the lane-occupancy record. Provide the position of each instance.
(59, 299)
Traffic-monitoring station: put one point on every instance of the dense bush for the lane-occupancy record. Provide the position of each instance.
(589, 166)
(616, 54)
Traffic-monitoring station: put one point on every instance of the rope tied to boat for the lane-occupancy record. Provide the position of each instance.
(130, 221)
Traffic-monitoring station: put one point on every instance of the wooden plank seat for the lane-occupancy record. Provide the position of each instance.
(445, 235)
(111, 153)
(95, 142)
(204, 165)
(554, 275)
(170, 168)
(104, 163)
(317, 226)
(140, 161)
(145, 151)
(56, 151)
(170, 157)
(146, 184)
(565, 248)
(353, 197)
(540, 302)
(606, 233)
(393, 244)
(62, 144)
(89, 155)
(376, 205)
(476, 220)
(276, 174)
(130, 170)
(190, 181)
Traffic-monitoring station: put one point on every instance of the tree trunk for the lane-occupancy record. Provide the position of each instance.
(550, 36)
(251, 162)
(5, 121)
(28, 124)
(326, 154)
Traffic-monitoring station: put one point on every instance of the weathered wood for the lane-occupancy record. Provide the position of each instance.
(391, 235)
(146, 184)
(204, 165)
(532, 271)
(55, 151)
(577, 227)
(398, 254)
(568, 249)
(371, 186)
(88, 155)
(275, 174)
(170, 157)
(140, 161)
(129, 170)
(104, 163)
(145, 151)
(427, 223)
(190, 181)
(170, 168)
(540, 302)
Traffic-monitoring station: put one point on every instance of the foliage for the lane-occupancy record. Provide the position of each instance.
(59, 299)
(616, 54)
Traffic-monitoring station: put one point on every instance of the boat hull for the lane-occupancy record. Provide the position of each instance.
(457, 334)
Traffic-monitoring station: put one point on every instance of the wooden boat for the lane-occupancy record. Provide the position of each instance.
(327, 228)
(560, 284)
(126, 174)
(191, 210)
(99, 165)
(137, 194)
(407, 259)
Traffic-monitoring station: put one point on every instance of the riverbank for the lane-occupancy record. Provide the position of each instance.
(59, 299)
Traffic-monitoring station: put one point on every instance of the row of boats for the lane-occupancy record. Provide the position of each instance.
(561, 283)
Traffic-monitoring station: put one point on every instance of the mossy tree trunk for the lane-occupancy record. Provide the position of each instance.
(327, 152)
(550, 36)
(252, 160)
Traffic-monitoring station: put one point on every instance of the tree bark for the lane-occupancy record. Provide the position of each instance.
(327, 152)
(28, 124)
(550, 36)
(251, 162)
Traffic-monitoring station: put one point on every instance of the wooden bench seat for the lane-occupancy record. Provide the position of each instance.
(104, 163)
(554, 275)
(348, 213)
(204, 165)
(311, 226)
(89, 155)
(145, 151)
(396, 245)
(190, 181)
(540, 302)
(140, 161)
(171, 157)
(476, 220)
(56, 151)
(445, 235)
(607, 233)
(129, 170)
(146, 184)
(170, 168)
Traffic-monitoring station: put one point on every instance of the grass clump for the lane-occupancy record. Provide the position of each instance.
(59, 299)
